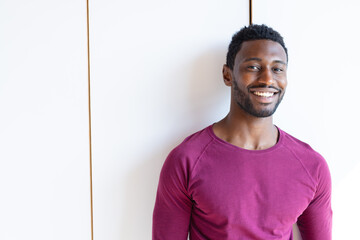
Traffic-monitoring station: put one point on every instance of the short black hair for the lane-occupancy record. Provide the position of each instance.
(252, 32)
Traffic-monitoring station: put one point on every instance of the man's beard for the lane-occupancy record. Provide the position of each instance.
(243, 100)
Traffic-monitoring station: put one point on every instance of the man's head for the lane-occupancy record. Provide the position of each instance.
(253, 32)
(256, 70)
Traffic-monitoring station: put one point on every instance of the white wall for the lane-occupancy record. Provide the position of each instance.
(156, 78)
(44, 162)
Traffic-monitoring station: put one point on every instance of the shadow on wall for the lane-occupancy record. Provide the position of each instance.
(203, 100)
(209, 98)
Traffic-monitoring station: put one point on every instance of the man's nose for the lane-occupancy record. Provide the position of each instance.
(266, 77)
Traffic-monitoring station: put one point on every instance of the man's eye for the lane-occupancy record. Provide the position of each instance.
(278, 70)
(254, 68)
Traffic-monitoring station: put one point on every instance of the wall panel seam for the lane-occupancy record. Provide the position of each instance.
(89, 114)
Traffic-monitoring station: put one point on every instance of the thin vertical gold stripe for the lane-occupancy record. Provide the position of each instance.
(250, 12)
(89, 108)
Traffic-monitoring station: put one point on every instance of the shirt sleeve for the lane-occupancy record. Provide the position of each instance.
(316, 221)
(172, 211)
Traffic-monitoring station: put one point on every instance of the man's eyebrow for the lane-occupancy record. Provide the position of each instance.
(252, 59)
(281, 62)
(259, 59)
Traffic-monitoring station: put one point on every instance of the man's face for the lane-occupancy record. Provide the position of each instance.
(258, 79)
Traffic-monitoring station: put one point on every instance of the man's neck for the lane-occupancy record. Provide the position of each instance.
(246, 131)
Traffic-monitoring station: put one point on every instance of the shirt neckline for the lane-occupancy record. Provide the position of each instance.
(272, 148)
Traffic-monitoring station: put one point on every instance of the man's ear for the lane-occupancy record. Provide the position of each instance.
(227, 75)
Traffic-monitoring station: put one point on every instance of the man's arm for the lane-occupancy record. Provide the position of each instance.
(296, 232)
(171, 217)
(316, 221)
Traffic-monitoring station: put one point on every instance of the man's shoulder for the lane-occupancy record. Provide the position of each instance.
(298, 146)
(312, 160)
(185, 156)
(193, 145)
(292, 142)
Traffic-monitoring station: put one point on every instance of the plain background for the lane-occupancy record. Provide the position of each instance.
(155, 78)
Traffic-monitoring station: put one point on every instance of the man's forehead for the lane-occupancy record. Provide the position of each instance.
(258, 49)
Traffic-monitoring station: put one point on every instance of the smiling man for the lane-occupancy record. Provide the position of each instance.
(243, 177)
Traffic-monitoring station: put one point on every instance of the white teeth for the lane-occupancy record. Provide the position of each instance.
(264, 94)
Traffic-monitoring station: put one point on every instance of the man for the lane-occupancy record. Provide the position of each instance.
(243, 177)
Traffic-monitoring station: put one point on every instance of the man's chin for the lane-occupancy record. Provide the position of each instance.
(261, 113)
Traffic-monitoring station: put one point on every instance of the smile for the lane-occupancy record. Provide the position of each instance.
(263, 94)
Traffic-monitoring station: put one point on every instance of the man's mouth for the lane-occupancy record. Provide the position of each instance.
(264, 92)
